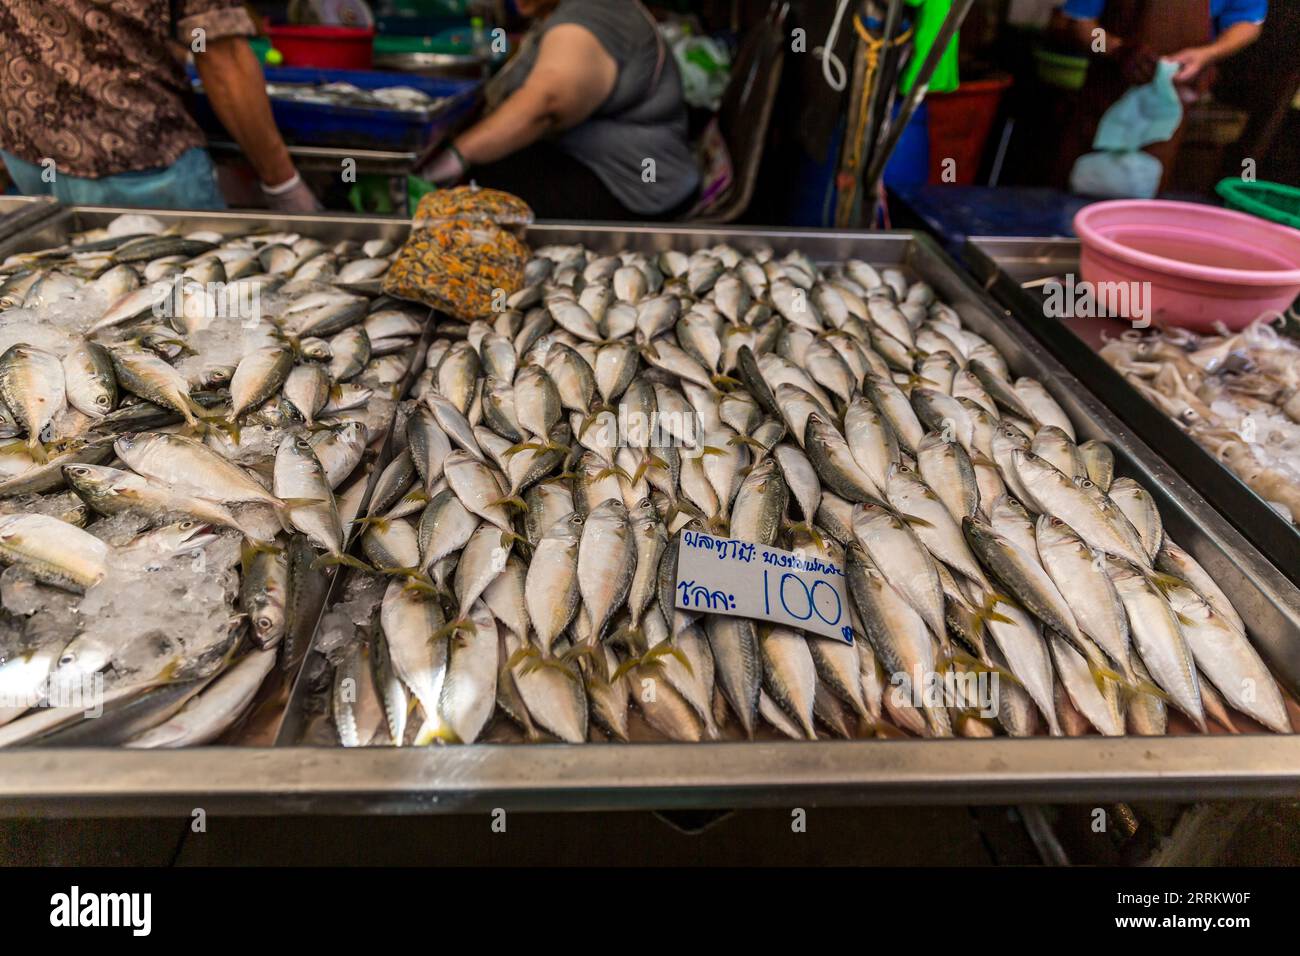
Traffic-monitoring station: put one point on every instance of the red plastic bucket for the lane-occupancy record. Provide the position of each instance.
(339, 48)
(960, 123)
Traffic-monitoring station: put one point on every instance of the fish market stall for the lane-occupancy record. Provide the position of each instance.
(1215, 406)
(377, 123)
(428, 490)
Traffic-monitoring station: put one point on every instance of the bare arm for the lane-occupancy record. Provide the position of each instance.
(572, 77)
(233, 80)
(1230, 42)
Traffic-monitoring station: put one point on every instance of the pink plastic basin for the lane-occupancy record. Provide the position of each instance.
(1205, 265)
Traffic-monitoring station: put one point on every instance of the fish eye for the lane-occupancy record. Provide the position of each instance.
(268, 428)
(643, 503)
(303, 443)
(576, 519)
(264, 623)
(1085, 483)
(101, 400)
(186, 525)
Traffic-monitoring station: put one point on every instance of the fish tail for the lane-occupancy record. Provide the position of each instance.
(986, 612)
(452, 628)
(1164, 581)
(331, 560)
(36, 448)
(1141, 686)
(434, 731)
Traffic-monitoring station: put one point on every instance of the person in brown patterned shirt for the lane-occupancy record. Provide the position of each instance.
(92, 102)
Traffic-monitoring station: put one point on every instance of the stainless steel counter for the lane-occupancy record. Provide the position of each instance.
(732, 774)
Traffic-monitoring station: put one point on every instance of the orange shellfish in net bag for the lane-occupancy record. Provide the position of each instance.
(459, 258)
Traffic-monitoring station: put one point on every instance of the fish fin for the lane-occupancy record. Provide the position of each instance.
(666, 649)
(1100, 674)
(616, 470)
(1140, 686)
(712, 450)
(640, 472)
(523, 446)
(624, 669)
(524, 653)
(746, 440)
(915, 521)
(433, 731)
(724, 382)
(36, 448)
(560, 664)
(330, 560)
(379, 521)
(986, 613)
(510, 501)
(451, 628)
(1163, 581)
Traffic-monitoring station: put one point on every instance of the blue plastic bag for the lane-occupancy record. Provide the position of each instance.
(1130, 175)
(1142, 116)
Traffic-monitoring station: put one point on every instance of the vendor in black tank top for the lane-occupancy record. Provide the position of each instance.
(587, 120)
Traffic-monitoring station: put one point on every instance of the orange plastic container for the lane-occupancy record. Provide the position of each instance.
(960, 123)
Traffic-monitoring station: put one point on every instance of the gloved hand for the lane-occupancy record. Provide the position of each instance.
(445, 168)
(292, 195)
(1137, 62)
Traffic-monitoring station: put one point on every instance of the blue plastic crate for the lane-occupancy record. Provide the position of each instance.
(324, 124)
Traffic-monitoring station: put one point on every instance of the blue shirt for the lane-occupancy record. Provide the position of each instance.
(1225, 13)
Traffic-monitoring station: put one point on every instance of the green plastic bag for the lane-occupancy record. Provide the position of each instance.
(929, 21)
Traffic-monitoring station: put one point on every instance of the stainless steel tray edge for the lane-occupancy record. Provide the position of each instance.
(541, 777)
(18, 213)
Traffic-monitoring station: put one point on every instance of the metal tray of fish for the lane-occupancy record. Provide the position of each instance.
(1015, 271)
(21, 212)
(310, 779)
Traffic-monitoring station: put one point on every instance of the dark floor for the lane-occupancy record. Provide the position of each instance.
(1259, 834)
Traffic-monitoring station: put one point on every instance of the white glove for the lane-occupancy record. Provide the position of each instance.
(292, 195)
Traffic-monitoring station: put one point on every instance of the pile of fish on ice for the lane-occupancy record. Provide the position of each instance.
(182, 452)
(527, 526)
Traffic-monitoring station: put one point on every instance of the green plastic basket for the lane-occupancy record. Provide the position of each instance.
(1272, 201)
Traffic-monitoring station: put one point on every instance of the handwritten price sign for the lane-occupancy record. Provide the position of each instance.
(723, 576)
